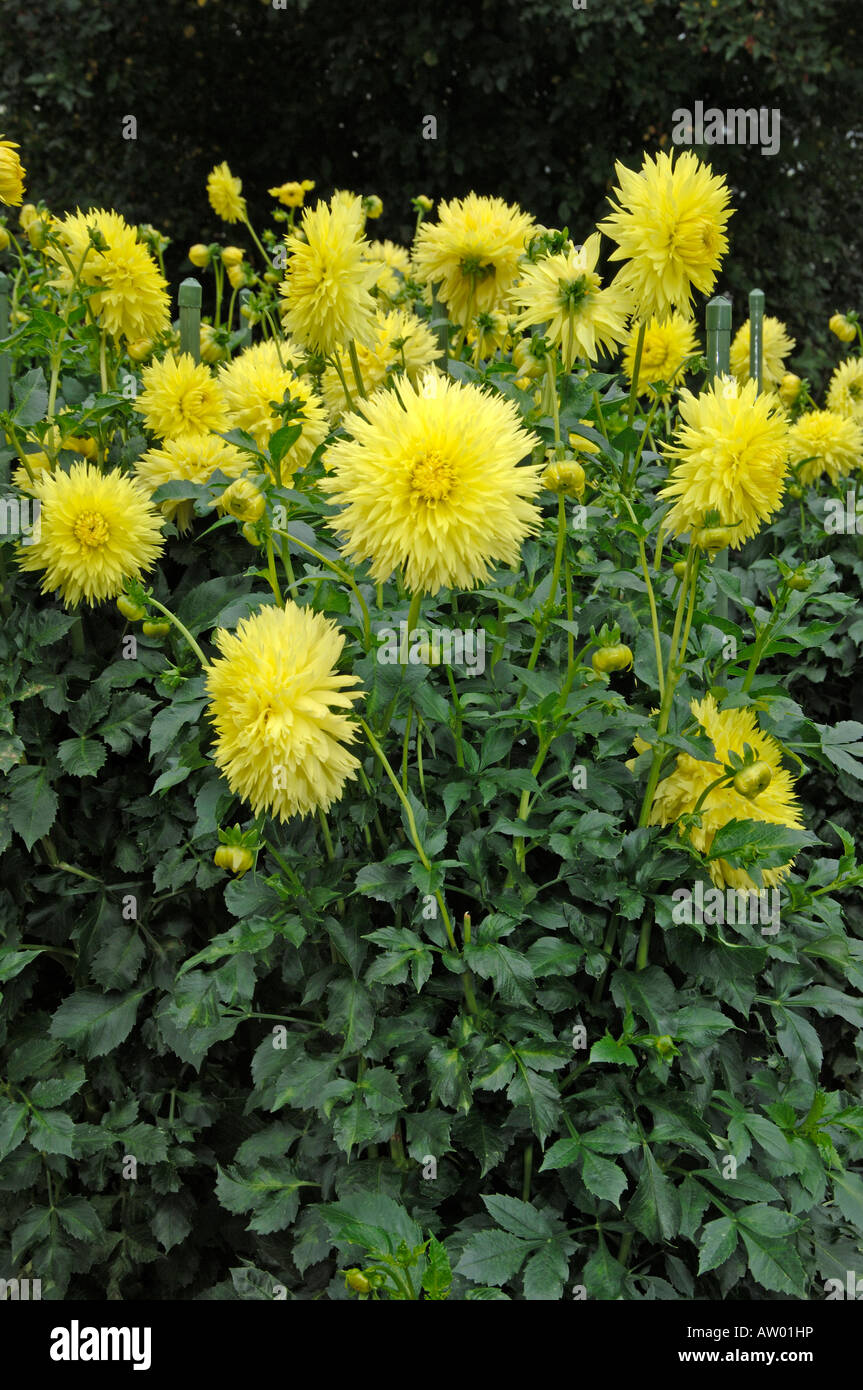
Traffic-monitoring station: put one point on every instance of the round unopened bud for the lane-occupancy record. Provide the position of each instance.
(235, 858)
(156, 629)
(752, 780)
(4, 239)
(243, 500)
(564, 476)
(843, 328)
(231, 255)
(199, 255)
(789, 388)
(714, 537)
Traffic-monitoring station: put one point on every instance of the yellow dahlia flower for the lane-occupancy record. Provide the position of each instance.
(12, 174)
(130, 298)
(564, 292)
(843, 328)
(669, 225)
(252, 381)
(731, 457)
(181, 397)
(845, 391)
(224, 192)
(389, 258)
(430, 483)
(776, 345)
(327, 279)
(678, 794)
(493, 331)
(193, 458)
(473, 250)
(402, 342)
(668, 344)
(97, 531)
(832, 444)
(277, 705)
(292, 195)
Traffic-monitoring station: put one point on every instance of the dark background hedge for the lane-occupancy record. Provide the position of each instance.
(533, 100)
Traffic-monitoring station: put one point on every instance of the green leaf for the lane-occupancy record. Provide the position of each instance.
(603, 1178)
(655, 1207)
(545, 1273)
(519, 1218)
(608, 1049)
(52, 1132)
(32, 803)
(437, 1276)
(507, 969)
(31, 397)
(80, 1219)
(718, 1243)
(170, 1223)
(492, 1257)
(760, 844)
(96, 1023)
(848, 1194)
(541, 1098)
(774, 1264)
(13, 1126)
(562, 1154)
(351, 1014)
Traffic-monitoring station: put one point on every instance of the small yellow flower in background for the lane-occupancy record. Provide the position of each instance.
(232, 255)
(12, 174)
(224, 192)
(252, 381)
(389, 258)
(430, 484)
(669, 225)
(776, 804)
(130, 293)
(789, 389)
(492, 330)
(473, 250)
(424, 202)
(402, 341)
(843, 328)
(280, 710)
(26, 215)
(194, 457)
(730, 457)
(237, 277)
(845, 389)
(199, 255)
(564, 292)
(668, 343)
(327, 280)
(212, 348)
(372, 206)
(580, 443)
(181, 397)
(5, 239)
(832, 444)
(98, 530)
(292, 195)
(776, 345)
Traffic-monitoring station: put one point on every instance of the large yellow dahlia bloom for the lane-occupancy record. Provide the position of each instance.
(430, 483)
(96, 531)
(565, 293)
(776, 345)
(327, 278)
(829, 443)
(255, 379)
(12, 174)
(225, 194)
(678, 794)
(669, 225)
(181, 397)
(473, 250)
(668, 343)
(130, 299)
(277, 705)
(730, 457)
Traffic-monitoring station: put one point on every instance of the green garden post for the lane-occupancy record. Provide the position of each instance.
(756, 337)
(719, 364)
(5, 360)
(245, 325)
(189, 300)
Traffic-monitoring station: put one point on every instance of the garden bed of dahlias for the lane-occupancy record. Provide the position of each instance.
(431, 759)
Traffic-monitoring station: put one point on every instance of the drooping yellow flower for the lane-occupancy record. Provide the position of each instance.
(292, 195)
(430, 483)
(493, 332)
(402, 342)
(389, 259)
(845, 391)
(679, 793)
(97, 530)
(776, 345)
(193, 458)
(843, 328)
(830, 443)
(730, 457)
(253, 381)
(564, 292)
(669, 224)
(473, 250)
(181, 397)
(130, 298)
(327, 279)
(277, 705)
(12, 174)
(668, 343)
(224, 192)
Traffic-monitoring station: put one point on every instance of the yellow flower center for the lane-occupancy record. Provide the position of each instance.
(91, 529)
(433, 477)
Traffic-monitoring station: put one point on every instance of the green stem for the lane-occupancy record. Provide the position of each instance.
(413, 617)
(555, 575)
(180, 628)
(271, 573)
(355, 368)
(342, 574)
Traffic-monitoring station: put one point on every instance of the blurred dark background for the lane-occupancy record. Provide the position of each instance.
(534, 100)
